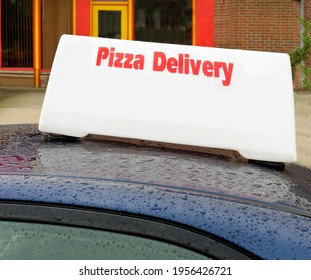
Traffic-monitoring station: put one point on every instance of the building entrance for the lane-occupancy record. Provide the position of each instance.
(30, 29)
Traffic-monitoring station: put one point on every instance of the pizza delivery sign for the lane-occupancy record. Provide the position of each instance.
(208, 97)
(182, 63)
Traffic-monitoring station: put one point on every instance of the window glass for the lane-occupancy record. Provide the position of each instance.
(109, 24)
(16, 33)
(164, 21)
(42, 241)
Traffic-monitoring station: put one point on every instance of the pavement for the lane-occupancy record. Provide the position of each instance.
(23, 105)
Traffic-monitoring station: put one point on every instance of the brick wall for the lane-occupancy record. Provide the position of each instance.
(265, 25)
(222, 24)
(307, 10)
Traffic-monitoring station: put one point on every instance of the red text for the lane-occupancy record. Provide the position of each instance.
(119, 59)
(183, 64)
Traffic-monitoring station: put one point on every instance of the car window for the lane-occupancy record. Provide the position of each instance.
(41, 231)
(44, 241)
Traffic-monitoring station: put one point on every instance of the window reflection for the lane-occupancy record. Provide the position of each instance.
(164, 21)
(16, 36)
(109, 24)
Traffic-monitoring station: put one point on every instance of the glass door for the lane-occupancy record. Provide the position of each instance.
(110, 21)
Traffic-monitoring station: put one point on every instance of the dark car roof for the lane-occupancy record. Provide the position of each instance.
(244, 203)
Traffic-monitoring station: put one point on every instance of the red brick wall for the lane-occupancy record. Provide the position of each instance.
(223, 24)
(265, 25)
(307, 10)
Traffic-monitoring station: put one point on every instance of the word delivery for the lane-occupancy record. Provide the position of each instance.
(182, 64)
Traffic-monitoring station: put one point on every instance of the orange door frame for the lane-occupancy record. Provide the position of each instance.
(37, 41)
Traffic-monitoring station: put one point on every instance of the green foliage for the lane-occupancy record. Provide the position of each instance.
(307, 76)
(300, 54)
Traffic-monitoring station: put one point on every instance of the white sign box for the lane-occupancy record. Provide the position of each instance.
(218, 98)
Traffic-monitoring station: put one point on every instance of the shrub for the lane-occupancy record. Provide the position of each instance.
(300, 54)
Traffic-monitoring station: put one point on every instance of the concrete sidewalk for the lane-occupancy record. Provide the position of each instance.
(23, 105)
(303, 127)
(20, 105)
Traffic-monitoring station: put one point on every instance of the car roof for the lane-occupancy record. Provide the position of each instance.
(25, 151)
(197, 189)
